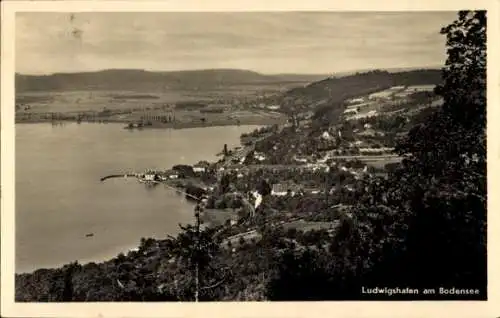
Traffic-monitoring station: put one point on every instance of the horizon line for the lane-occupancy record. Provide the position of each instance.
(235, 69)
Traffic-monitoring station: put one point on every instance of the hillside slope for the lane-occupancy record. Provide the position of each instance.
(326, 97)
(340, 88)
(146, 81)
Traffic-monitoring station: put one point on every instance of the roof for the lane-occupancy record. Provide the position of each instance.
(284, 187)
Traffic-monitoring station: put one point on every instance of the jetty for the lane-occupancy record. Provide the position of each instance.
(132, 175)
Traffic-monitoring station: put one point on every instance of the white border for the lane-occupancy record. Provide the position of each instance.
(267, 309)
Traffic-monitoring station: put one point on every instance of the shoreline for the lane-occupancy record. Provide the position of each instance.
(105, 256)
(99, 258)
(185, 125)
(126, 248)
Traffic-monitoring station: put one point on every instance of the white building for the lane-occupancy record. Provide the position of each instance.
(351, 111)
(326, 135)
(280, 189)
(259, 157)
(371, 113)
(358, 143)
(199, 169)
(274, 107)
(355, 100)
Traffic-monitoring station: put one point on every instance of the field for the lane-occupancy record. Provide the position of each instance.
(78, 101)
(153, 109)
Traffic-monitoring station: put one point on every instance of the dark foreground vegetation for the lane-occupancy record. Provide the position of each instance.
(422, 227)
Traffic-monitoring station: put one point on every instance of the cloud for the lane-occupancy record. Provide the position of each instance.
(266, 42)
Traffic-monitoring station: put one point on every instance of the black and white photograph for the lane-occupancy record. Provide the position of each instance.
(249, 156)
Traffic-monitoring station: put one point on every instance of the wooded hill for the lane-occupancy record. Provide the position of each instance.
(141, 80)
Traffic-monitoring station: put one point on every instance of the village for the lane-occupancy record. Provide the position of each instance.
(326, 166)
(353, 165)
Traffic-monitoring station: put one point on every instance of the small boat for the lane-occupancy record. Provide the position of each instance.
(89, 235)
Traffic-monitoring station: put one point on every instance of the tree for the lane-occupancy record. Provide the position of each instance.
(425, 226)
(225, 181)
(445, 167)
(198, 275)
(264, 188)
(299, 277)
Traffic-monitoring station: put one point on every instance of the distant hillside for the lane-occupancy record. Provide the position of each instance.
(326, 97)
(340, 88)
(299, 78)
(146, 81)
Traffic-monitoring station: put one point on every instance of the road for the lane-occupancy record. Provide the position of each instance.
(366, 159)
(247, 149)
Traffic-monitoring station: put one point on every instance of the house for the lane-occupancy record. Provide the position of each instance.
(274, 107)
(279, 190)
(282, 189)
(151, 177)
(326, 136)
(259, 156)
(355, 100)
(199, 169)
(351, 111)
(358, 143)
(371, 113)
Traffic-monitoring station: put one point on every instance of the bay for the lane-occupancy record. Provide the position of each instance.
(59, 197)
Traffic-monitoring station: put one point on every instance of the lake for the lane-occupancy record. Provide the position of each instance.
(59, 197)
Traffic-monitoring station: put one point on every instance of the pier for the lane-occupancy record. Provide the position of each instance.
(127, 175)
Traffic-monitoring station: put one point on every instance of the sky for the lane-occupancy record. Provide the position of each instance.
(269, 43)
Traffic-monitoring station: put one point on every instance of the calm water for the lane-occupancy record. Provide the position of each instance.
(59, 197)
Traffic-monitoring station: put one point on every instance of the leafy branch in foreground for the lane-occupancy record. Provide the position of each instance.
(425, 226)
